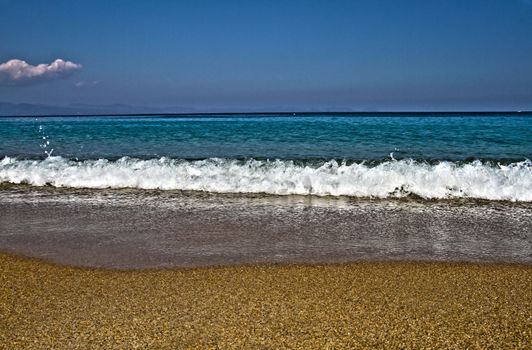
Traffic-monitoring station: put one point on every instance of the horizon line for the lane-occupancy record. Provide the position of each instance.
(283, 113)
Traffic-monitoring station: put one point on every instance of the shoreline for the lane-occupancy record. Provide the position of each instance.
(265, 265)
(132, 229)
(155, 269)
(11, 189)
(356, 305)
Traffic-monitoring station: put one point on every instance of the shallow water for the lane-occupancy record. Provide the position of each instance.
(153, 229)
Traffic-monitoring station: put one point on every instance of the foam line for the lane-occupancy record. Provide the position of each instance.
(282, 177)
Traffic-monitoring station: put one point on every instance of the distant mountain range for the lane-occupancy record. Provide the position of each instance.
(28, 109)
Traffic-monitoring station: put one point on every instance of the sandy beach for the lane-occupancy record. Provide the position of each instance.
(361, 305)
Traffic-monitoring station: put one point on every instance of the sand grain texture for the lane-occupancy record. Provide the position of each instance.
(364, 305)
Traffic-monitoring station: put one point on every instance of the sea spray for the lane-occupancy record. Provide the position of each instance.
(45, 142)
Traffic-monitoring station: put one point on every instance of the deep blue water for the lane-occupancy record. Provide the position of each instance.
(500, 137)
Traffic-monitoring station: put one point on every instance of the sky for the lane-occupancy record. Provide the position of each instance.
(269, 55)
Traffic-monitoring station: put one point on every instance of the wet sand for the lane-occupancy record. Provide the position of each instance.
(361, 305)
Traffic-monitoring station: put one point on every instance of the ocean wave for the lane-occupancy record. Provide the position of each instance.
(394, 178)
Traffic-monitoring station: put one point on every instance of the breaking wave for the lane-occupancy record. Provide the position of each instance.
(394, 178)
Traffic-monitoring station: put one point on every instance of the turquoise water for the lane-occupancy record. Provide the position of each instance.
(433, 156)
(501, 137)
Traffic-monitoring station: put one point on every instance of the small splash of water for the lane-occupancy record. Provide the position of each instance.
(45, 142)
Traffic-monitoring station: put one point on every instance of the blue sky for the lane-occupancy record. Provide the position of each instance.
(360, 55)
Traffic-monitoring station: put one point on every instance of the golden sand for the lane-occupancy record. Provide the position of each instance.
(364, 305)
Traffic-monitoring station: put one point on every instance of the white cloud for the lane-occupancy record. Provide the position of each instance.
(18, 71)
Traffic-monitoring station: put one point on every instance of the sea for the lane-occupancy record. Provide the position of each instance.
(432, 156)
(196, 190)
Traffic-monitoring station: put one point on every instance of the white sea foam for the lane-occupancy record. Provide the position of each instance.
(395, 178)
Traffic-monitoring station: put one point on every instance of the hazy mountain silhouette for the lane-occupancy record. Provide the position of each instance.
(28, 109)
